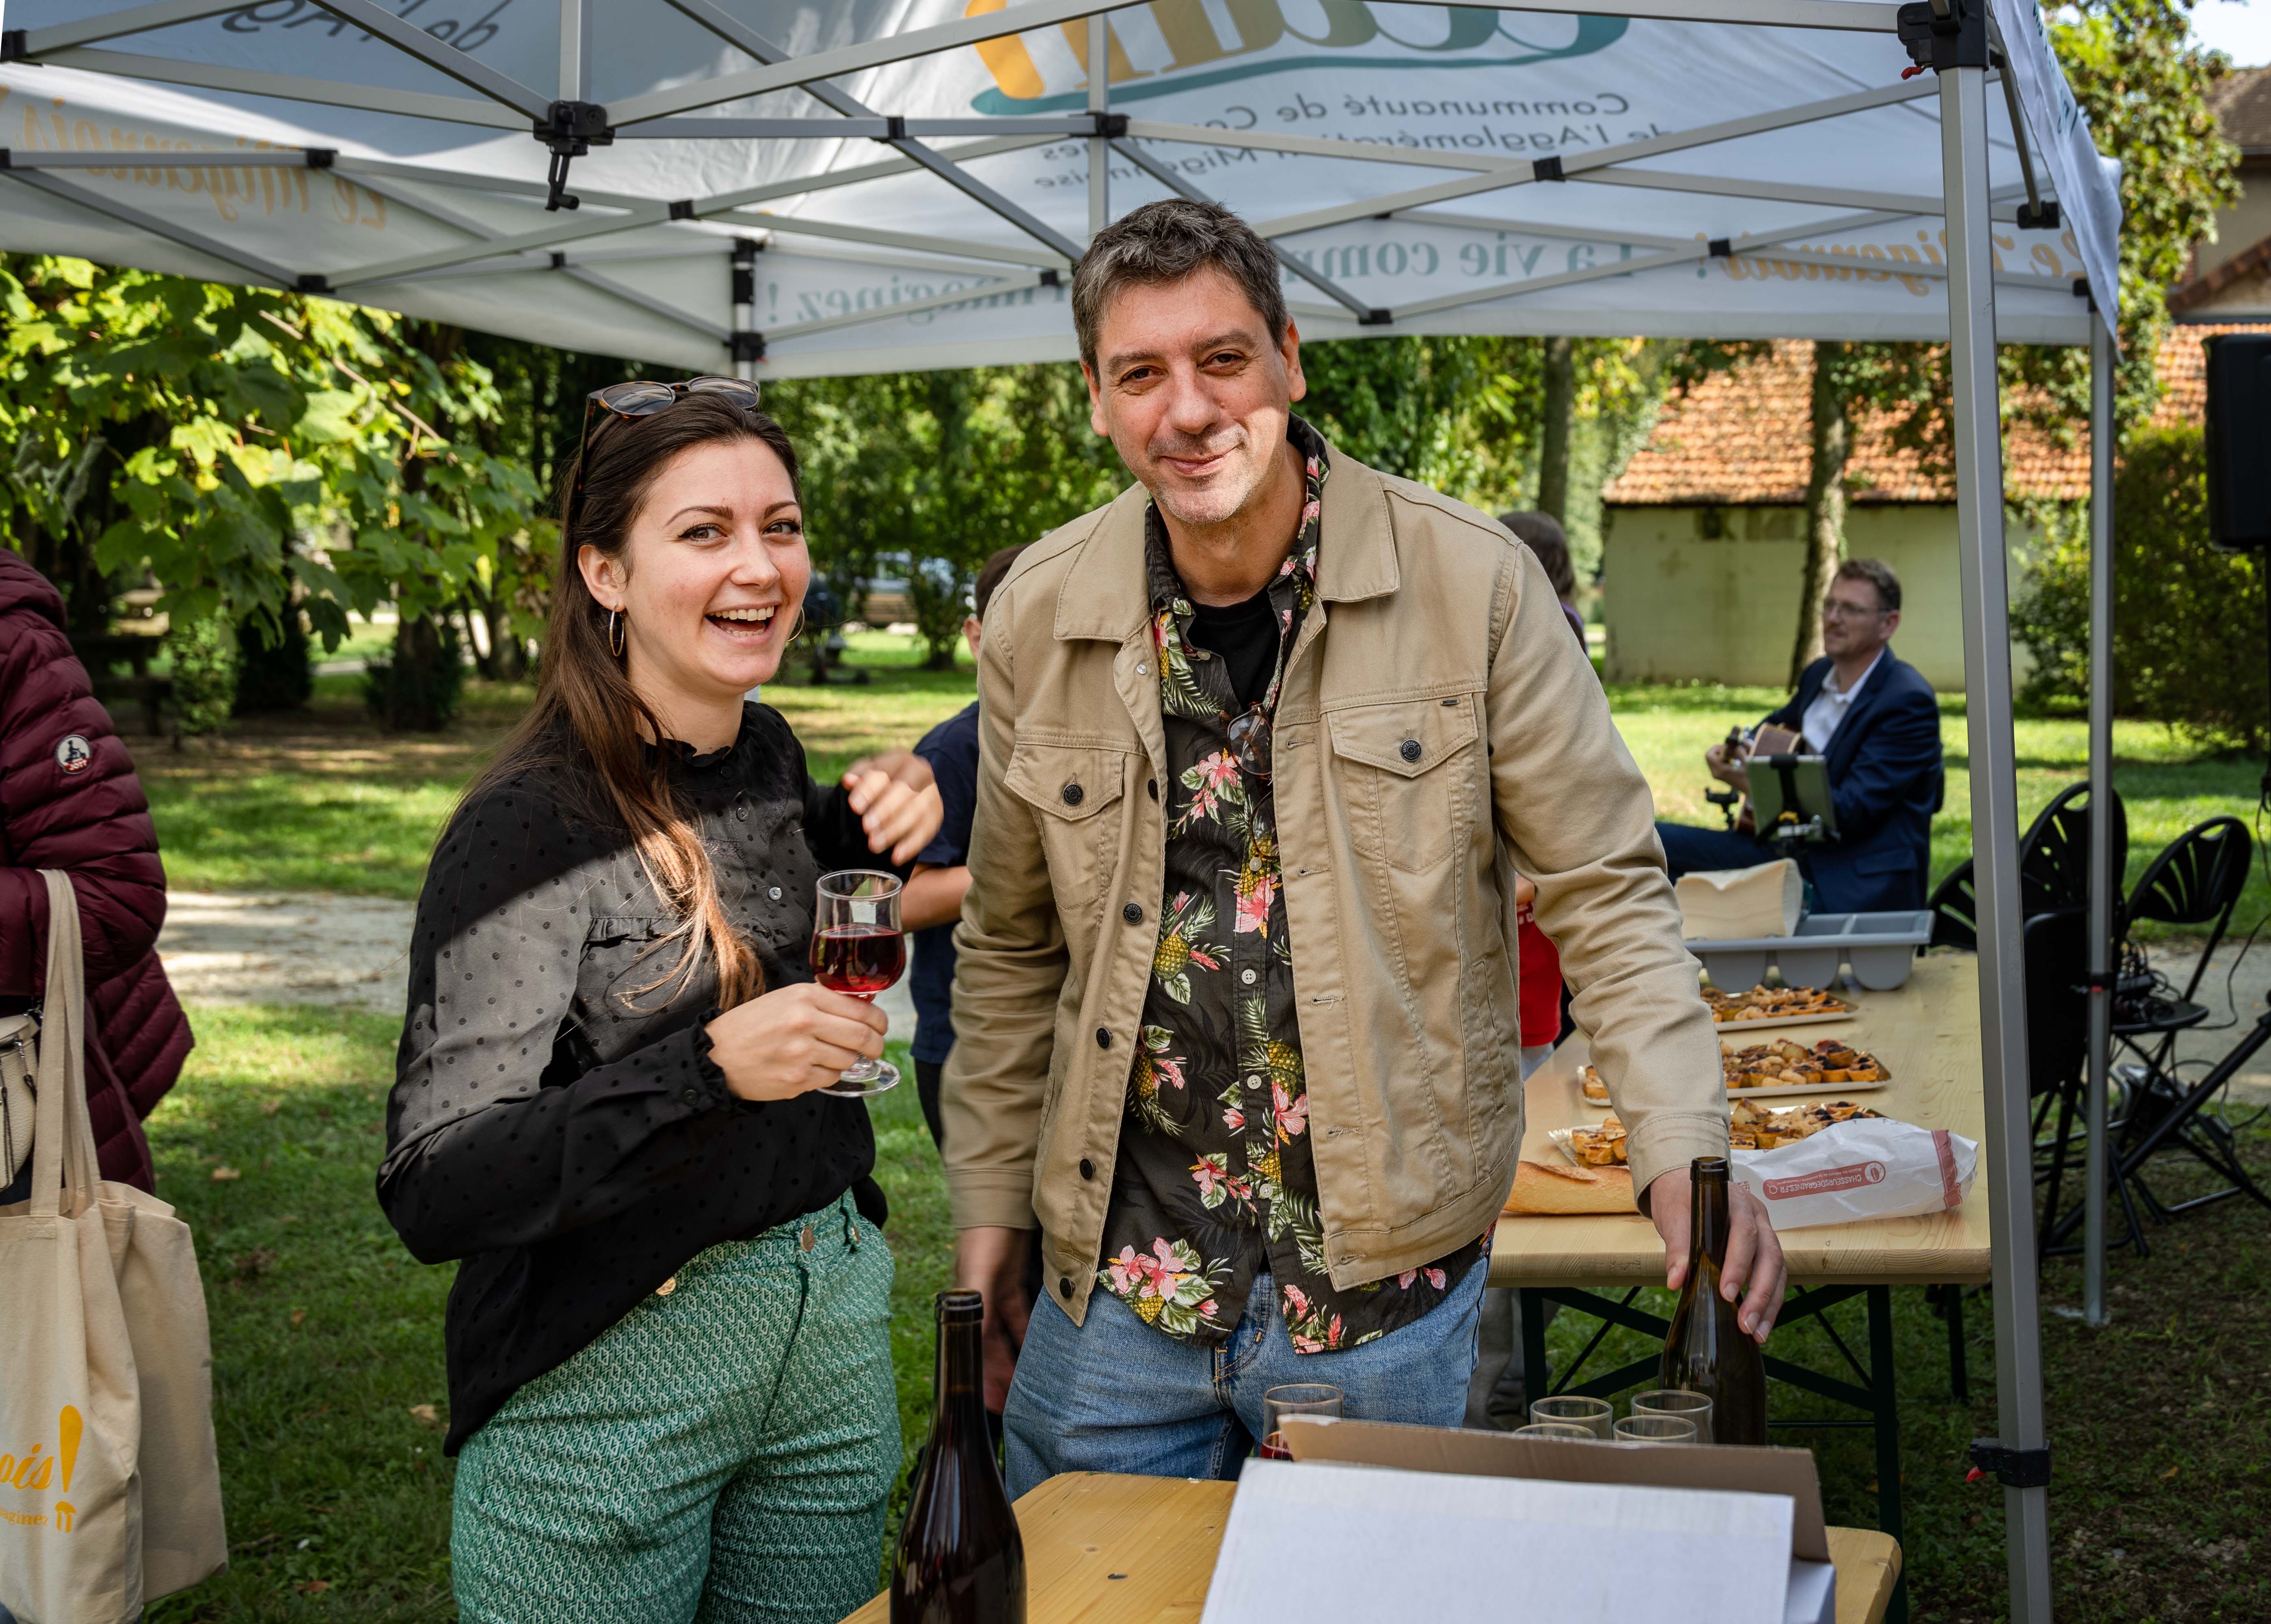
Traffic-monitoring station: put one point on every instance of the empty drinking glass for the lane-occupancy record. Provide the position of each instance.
(1593, 1414)
(1558, 1429)
(1656, 1429)
(1295, 1398)
(1695, 1407)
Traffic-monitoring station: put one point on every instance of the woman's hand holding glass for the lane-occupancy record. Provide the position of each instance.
(896, 802)
(794, 1039)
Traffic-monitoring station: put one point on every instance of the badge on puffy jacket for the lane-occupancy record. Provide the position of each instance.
(74, 754)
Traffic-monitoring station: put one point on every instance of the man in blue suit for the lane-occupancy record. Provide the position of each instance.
(1874, 719)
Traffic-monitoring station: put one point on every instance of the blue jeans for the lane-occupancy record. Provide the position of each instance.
(1114, 1395)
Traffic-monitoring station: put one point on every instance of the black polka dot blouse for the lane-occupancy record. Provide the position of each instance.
(563, 1132)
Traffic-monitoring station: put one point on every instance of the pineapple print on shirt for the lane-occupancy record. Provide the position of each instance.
(1214, 1181)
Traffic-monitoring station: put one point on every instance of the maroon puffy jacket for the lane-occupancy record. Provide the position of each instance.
(69, 800)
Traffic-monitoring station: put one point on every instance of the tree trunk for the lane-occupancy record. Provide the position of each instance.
(1553, 445)
(1825, 506)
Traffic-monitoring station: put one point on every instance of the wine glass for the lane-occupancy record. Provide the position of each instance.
(1695, 1407)
(1294, 1398)
(1656, 1429)
(1595, 1415)
(857, 948)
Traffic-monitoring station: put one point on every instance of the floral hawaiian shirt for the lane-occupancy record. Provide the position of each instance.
(1214, 1182)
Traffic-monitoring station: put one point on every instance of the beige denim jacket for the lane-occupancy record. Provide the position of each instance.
(1437, 732)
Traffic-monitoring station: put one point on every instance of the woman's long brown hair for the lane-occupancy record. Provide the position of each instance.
(585, 687)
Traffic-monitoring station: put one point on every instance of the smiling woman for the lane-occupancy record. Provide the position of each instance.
(667, 1233)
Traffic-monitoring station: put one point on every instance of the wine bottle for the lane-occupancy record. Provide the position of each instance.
(1708, 1350)
(960, 1560)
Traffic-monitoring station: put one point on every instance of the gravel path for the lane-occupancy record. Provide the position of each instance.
(311, 947)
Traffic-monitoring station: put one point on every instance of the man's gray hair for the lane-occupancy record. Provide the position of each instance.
(1165, 242)
(1878, 573)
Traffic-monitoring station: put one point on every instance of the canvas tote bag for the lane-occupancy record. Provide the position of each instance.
(110, 1488)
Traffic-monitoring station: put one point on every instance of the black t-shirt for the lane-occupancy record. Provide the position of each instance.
(1245, 636)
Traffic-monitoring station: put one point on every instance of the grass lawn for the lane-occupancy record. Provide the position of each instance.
(327, 1356)
(327, 1338)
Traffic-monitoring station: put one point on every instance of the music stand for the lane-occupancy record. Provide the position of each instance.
(1790, 799)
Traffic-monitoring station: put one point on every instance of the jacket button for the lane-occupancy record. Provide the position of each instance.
(773, 892)
(1064, 1287)
(1132, 914)
(1072, 794)
(1409, 750)
(1151, 788)
(692, 1096)
(1087, 1168)
(1103, 1038)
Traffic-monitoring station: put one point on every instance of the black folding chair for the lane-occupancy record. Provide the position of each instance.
(2197, 881)
(2056, 947)
(1955, 911)
(2053, 869)
(2054, 853)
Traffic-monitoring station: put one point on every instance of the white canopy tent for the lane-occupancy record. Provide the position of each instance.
(1735, 169)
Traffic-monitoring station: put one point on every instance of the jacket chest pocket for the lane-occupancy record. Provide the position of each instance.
(1407, 765)
(1071, 787)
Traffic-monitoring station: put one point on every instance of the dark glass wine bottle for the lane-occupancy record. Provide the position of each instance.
(960, 1560)
(1708, 1351)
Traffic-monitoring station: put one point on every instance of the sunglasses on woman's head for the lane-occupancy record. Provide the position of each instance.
(644, 397)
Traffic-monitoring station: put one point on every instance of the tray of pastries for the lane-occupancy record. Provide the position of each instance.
(1750, 1126)
(1782, 1064)
(1764, 1009)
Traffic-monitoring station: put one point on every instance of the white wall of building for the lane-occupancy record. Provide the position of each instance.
(1710, 593)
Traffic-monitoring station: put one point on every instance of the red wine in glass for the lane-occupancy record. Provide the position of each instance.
(857, 949)
(862, 960)
(1274, 1448)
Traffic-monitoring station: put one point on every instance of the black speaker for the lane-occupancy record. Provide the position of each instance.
(2239, 440)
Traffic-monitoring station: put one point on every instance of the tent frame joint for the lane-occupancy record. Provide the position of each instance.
(2012, 1468)
(747, 344)
(311, 282)
(1940, 34)
(1111, 126)
(12, 44)
(1547, 168)
(2040, 215)
(570, 130)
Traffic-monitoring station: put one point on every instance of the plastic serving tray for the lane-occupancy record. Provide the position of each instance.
(1877, 951)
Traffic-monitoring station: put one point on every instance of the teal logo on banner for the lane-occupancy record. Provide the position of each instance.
(1473, 37)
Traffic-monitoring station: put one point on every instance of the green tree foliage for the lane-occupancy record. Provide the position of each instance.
(923, 475)
(232, 444)
(205, 663)
(2188, 628)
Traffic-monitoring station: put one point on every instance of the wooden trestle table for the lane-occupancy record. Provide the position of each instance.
(1101, 1548)
(1926, 1032)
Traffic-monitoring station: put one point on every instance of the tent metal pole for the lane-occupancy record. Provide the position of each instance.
(2102, 879)
(434, 53)
(1099, 101)
(574, 51)
(1365, 314)
(286, 87)
(260, 269)
(134, 19)
(1575, 164)
(1994, 820)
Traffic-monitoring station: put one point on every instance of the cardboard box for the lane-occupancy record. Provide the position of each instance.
(1737, 1532)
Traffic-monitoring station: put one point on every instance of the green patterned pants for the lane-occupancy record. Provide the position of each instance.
(722, 1453)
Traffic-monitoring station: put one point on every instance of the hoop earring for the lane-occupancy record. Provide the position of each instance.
(798, 631)
(615, 639)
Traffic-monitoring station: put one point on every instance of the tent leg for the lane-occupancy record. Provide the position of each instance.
(2102, 879)
(1994, 818)
(1099, 99)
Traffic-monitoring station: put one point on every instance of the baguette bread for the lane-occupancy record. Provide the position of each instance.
(1543, 1187)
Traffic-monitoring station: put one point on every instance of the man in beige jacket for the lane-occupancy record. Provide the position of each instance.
(1262, 745)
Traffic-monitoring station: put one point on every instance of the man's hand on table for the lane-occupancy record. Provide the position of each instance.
(992, 1261)
(1754, 1253)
